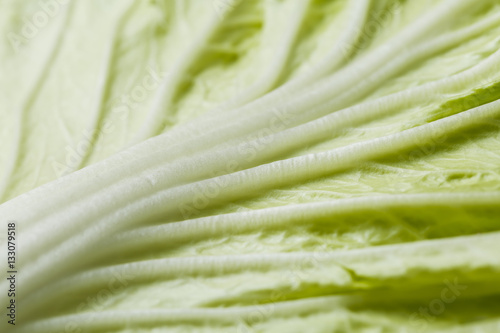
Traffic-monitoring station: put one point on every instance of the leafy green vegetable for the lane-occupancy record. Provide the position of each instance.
(478, 97)
(250, 166)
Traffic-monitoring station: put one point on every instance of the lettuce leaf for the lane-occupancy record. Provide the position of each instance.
(250, 166)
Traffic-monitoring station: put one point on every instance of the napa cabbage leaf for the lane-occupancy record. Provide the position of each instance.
(250, 166)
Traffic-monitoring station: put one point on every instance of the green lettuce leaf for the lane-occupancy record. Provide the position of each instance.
(250, 166)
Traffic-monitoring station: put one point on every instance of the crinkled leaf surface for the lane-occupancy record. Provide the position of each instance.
(251, 166)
